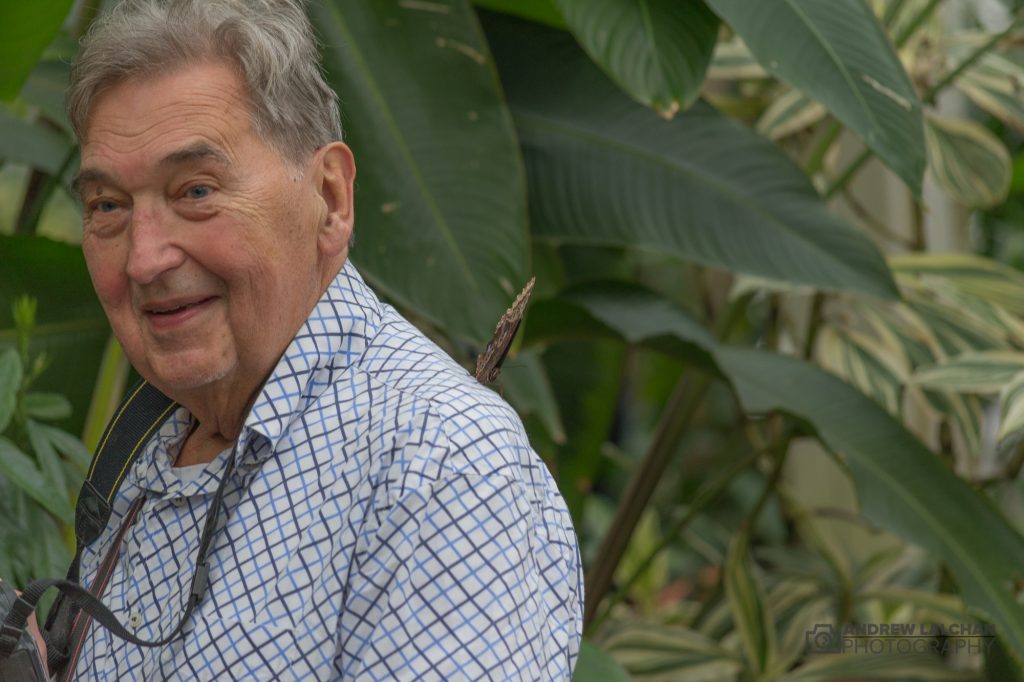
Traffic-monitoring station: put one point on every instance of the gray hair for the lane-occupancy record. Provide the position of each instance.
(271, 42)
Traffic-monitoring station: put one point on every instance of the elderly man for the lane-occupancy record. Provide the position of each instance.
(384, 516)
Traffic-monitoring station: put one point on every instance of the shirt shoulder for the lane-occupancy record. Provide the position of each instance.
(480, 433)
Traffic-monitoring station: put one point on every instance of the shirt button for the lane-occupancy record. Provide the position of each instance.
(178, 501)
(134, 620)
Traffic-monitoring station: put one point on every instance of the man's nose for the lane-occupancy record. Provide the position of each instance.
(154, 249)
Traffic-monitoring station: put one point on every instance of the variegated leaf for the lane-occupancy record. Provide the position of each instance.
(753, 620)
(732, 60)
(652, 652)
(994, 82)
(982, 277)
(881, 667)
(984, 372)
(1011, 408)
(860, 360)
(970, 163)
(789, 114)
(958, 330)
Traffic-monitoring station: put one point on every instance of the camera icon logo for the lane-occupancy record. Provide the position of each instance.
(822, 639)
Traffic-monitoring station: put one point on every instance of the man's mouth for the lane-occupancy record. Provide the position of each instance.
(170, 313)
(170, 310)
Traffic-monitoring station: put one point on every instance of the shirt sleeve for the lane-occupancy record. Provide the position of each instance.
(466, 579)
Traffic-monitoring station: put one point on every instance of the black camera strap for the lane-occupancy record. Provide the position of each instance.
(139, 416)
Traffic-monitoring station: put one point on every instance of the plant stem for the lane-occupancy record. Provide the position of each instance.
(892, 12)
(847, 175)
(935, 89)
(915, 23)
(675, 419)
(707, 495)
(813, 323)
(686, 399)
(816, 157)
(41, 188)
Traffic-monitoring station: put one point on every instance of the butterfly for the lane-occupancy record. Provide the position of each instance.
(488, 365)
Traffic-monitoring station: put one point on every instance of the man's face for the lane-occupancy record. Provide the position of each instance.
(202, 242)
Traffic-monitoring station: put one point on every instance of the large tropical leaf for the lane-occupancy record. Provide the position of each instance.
(27, 28)
(902, 486)
(836, 52)
(440, 199)
(32, 144)
(543, 11)
(604, 170)
(656, 50)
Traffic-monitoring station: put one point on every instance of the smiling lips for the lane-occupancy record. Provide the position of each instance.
(168, 314)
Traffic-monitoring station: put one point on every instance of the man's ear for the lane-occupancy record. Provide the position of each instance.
(336, 176)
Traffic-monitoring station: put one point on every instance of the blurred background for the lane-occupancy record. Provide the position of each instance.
(775, 354)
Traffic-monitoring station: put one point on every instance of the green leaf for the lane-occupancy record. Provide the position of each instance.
(45, 89)
(33, 144)
(529, 389)
(22, 472)
(49, 460)
(440, 194)
(971, 164)
(10, 382)
(973, 372)
(27, 28)
(597, 666)
(543, 11)
(903, 487)
(47, 406)
(604, 170)
(656, 50)
(750, 612)
(621, 310)
(836, 52)
(70, 446)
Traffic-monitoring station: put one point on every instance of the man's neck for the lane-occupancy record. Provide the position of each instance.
(202, 447)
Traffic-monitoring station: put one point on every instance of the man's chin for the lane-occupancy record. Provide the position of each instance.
(182, 377)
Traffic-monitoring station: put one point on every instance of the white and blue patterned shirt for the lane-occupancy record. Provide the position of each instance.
(387, 520)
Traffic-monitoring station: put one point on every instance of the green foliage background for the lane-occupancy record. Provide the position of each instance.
(768, 400)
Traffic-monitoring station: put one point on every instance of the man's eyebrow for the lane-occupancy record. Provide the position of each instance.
(87, 175)
(195, 152)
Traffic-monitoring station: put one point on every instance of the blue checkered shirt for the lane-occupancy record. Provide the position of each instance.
(387, 520)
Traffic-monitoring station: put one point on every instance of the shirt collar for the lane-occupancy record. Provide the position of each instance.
(334, 336)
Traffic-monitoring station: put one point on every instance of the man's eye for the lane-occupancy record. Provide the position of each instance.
(106, 206)
(198, 192)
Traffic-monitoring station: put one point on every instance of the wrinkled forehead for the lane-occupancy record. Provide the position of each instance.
(133, 103)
